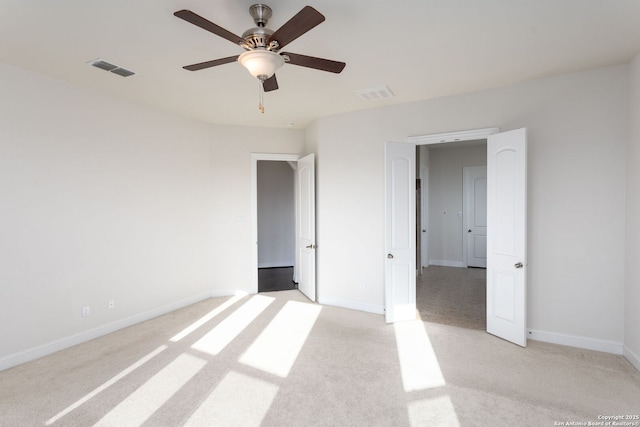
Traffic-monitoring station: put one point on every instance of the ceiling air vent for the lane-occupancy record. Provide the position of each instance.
(123, 72)
(374, 93)
(107, 66)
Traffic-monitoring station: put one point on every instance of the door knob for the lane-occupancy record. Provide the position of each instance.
(311, 247)
(518, 265)
(390, 256)
(469, 231)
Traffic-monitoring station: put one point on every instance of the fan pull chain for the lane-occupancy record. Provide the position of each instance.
(260, 96)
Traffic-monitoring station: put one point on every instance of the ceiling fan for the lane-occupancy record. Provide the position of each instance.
(262, 45)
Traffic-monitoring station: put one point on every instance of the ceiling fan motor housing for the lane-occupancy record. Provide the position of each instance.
(257, 37)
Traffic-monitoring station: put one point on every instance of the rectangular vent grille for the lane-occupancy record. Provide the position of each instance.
(374, 93)
(122, 72)
(107, 66)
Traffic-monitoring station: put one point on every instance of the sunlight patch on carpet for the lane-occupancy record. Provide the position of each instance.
(277, 348)
(148, 398)
(239, 400)
(227, 330)
(438, 411)
(418, 362)
(204, 319)
(107, 384)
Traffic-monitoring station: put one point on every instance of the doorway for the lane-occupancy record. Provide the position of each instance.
(506, 273)
(264, 158)
(276, 225)
(449, 290)
(304, 265)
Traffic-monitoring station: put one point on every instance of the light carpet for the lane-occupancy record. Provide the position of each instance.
(277, 360)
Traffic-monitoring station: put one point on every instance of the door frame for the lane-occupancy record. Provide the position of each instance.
(443, 138)
(255, 157)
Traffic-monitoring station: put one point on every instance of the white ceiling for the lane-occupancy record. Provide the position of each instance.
(419, 48)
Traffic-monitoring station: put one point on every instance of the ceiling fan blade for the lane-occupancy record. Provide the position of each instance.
(313, 62)
(302, 22)
(270, 84)
(209, 64)
(201, 22)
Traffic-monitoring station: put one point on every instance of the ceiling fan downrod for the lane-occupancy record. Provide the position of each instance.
(261, 13)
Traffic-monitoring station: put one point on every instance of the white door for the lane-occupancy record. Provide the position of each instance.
(475, 215)
(400, 232)
(506, 237)
(306, 233)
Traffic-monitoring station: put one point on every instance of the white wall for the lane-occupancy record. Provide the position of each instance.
(446, 167)
(103, 199)
(276, 214)
(577, 127)
(632, 278)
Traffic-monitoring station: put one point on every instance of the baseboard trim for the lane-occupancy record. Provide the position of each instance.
(228, 293)
(633, 358)
(369, 308)
(446, 263)
(275, 264)
(19, 358)
(606, 346)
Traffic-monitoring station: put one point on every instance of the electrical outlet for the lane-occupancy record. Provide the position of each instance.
(86, 310)
(112, 304)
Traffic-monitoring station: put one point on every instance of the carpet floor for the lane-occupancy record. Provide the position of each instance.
(275, 359)
(452, 296)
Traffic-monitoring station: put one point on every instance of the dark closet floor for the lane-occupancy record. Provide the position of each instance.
(276, 279)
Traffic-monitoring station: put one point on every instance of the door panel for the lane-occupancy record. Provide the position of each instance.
(306, 233)
(506, 237)
(400, 240)
(475, 214)
(479, 251)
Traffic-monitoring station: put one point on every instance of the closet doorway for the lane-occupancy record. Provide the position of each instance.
(276, 225)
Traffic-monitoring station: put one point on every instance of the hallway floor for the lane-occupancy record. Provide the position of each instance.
(452, 296)
(276, 279)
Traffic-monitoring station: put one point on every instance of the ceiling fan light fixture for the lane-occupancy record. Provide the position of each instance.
(261, 63)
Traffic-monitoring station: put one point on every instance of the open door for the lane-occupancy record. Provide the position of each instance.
(306, 233)
(506, 236)
(400, 232)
